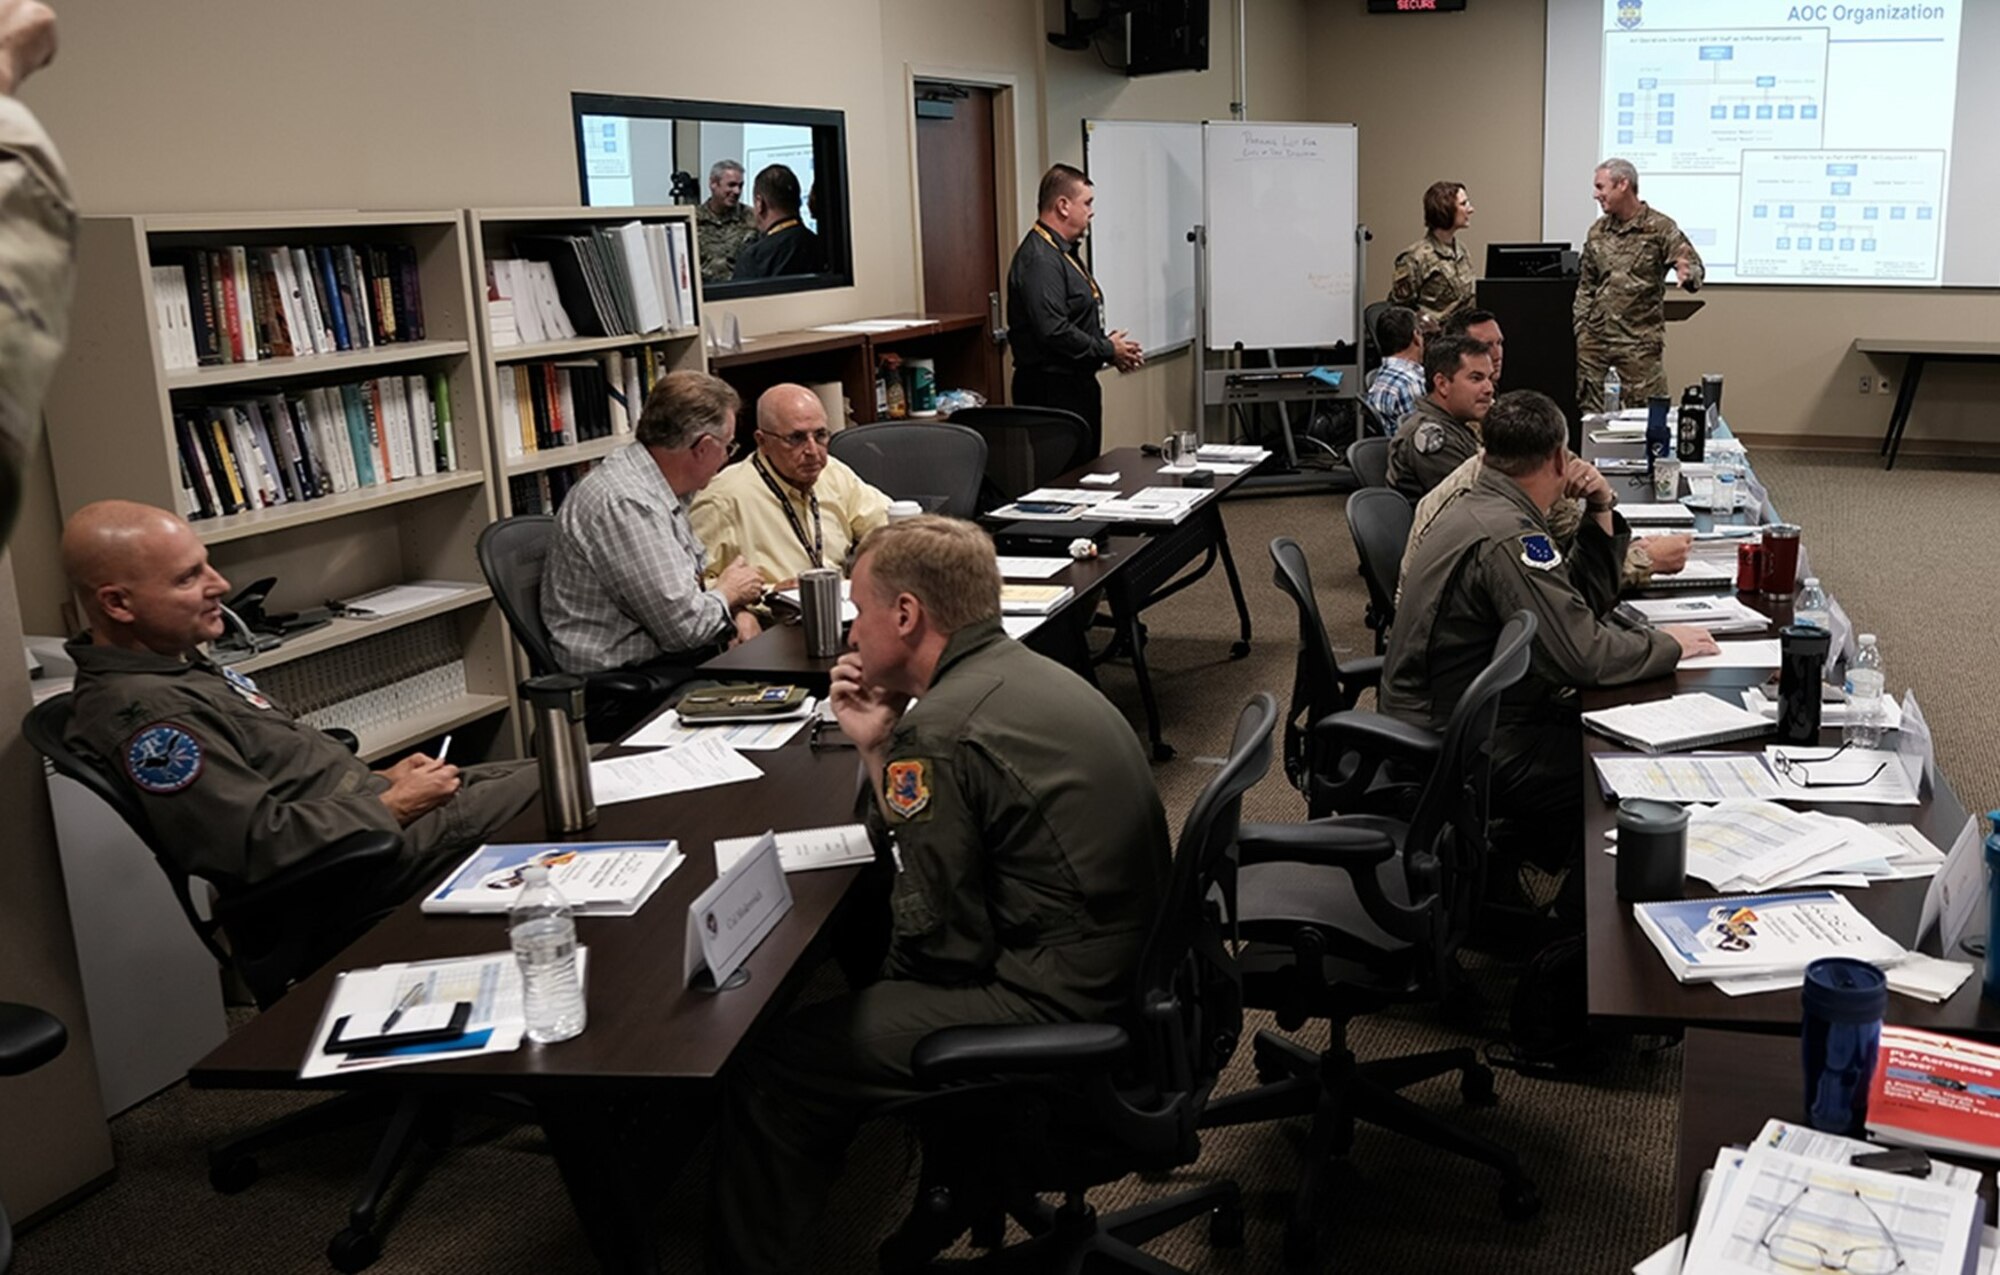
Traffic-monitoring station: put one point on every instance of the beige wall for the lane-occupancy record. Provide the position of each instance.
(1785, 350)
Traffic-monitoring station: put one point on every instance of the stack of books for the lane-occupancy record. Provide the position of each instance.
(558, 404)
(542, 492)
(1936, 1092)
(241, 304)
(279, 449)
(612, 281)
(1761, 939)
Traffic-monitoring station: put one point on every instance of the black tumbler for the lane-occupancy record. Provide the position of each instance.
(1801, 673)
(1652, 849)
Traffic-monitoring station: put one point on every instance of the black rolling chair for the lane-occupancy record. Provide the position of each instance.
(1345, 916)
(1063, 1107)
(1379, 519)
(29, 1037)
(937, 464)
(1369, 457)
(512, 555)
(1025, 447)
(273, 934)
(1371, 314)
(1329, 776)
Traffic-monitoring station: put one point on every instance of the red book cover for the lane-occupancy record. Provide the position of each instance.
(232, 321)
(1935, 1091)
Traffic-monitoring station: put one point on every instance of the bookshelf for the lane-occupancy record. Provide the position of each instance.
(959, 344)
(492, 235)
(113, 434)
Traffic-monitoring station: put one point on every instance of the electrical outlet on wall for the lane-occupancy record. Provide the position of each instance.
(1883, 385)
(1867, 383)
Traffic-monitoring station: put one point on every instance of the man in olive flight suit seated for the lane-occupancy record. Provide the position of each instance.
(1032, 852)
(1490, 553)
(233, 785)
(1443, 432)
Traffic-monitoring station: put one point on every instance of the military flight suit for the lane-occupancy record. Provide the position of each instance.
(1564, 519)
(37, 272)
(722, 237)
(1033, 856)
(1619, 313)
(237, 788)
(1489, 554)
(1427, 446)
(1434, 279)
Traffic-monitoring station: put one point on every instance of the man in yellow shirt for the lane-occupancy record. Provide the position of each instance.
(790, 506)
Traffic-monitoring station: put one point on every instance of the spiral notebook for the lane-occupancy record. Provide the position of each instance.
(1692, 720)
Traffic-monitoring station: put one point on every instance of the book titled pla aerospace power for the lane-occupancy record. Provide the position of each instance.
(1935, 1091)
(599, 878)
(1760, 934)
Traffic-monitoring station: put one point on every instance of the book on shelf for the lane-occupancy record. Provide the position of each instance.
(1760, 935)
(1691, 720)
(626, 280)
(598, 878)
(545, 406)
(239, 303)
(542, 492)
(275, 449)
(1936, 1092)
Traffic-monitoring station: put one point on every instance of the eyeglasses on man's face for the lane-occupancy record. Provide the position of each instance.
(1804, 1240)
(1798, 770)
(797, 440)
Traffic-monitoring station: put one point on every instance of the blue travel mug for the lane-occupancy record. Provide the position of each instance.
(1839, 1035)
(1990, 983)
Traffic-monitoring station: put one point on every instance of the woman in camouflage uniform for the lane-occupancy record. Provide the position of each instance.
(1434, 274)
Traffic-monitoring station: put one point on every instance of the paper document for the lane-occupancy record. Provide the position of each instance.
(1069, 496)
(404, 597)
(1716, 614)
(1815, 773)
(1762, 653)
(1102, 480)
(1695, 777)
(668, 731)
(1213, 466)
(1832, 712)
(1654, 513)
(1759, 845)
(1033, 568)
(490, 983)
(704, 763)
(1926, 978)
(599, 878)
(1690, 720)
(1020, 626)
(805, 849)
(1242, 453)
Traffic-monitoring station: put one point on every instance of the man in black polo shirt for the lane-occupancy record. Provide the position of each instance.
(783, 244)
(1055, 310)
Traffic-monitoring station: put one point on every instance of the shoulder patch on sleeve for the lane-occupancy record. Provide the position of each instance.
(906, 787)
(163, 758)
(1540, 552)
(1430, 437)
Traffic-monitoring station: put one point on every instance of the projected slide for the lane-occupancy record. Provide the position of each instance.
(1794, 143)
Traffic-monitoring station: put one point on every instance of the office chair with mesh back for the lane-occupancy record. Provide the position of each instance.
(1371, 314)
(1347, 916)
(1024, 1110)
(273, 934)
(513, 553)
(29, 1037)
(1025, 447)
(1369, 457)
(1379, 519)
(938, 464)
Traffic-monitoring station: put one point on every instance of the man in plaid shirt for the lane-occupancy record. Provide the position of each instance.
(1399, 383)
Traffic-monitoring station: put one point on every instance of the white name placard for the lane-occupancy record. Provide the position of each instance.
(730, 918)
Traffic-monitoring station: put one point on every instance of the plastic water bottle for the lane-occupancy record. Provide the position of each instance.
(1725, 498)
(544, 938)
(1809, 612)
(1864, 697)
(1613, 393)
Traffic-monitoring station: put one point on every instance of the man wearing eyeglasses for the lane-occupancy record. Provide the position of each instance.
(627, 581)
(790, 506)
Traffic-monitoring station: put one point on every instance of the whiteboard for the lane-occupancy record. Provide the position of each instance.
(1148, 183)
(1280, 210)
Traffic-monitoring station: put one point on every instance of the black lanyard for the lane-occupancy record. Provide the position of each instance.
(816, 547)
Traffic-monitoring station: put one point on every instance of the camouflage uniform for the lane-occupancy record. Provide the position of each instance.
(1433, 279)
(722, 236)
(1565, 520)
(1619, 313)
(37, 271)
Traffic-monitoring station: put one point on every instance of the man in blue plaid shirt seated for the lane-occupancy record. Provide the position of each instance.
(1399, 383)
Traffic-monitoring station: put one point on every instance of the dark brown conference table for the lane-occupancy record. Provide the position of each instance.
(1142, 565)
(1731, 1083)
(649, 1039)
(1630, 985)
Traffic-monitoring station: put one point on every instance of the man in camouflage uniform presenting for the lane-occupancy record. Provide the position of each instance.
(1621, 289)
(723, 223)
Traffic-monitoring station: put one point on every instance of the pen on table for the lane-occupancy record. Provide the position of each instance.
(410, 998)
(444, 750)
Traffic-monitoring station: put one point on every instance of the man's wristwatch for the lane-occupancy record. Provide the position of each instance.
(1592, 506)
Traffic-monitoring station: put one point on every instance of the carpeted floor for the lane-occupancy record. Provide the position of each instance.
(1895, 548)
